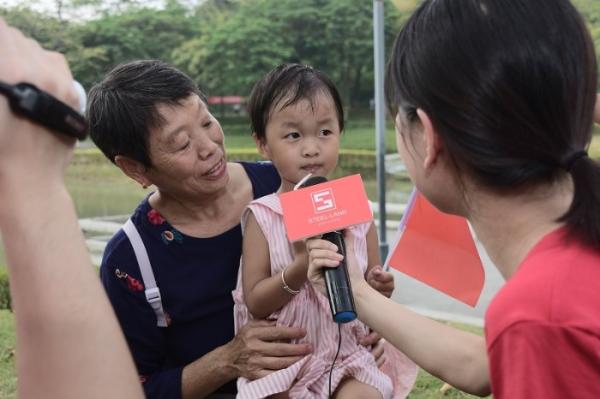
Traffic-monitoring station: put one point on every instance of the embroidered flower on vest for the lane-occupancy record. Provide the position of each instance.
(132, 283)
(169, 236)
(155, 217)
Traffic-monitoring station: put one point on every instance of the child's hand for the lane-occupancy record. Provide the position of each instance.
(381, 280)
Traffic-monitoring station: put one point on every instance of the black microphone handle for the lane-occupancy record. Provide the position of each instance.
(337, 282)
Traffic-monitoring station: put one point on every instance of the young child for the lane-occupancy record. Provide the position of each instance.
(297, 120)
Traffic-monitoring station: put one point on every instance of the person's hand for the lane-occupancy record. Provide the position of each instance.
(261, 347)
(381, 280)
(300, 253)
(29, 154)
(375, 342)
(322, 253)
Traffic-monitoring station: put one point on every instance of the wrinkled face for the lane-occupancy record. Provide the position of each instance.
(302, 139)
(187, 152)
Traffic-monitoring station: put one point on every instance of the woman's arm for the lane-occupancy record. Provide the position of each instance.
(264, 293)
(258, 349)
(454, 356)
(69, 344)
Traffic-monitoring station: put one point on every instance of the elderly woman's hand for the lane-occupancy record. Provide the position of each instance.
(261, 347)
(376, 344)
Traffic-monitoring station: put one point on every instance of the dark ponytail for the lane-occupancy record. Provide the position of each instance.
(583, 217)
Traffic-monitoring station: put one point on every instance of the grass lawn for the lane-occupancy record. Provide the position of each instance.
(8, 380)
(426, 387)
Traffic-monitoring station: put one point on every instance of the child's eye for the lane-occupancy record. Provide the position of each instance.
(291, 136)
(325, 132)
(207, 124)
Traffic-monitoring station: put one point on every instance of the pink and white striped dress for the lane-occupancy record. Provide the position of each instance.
(309, 377)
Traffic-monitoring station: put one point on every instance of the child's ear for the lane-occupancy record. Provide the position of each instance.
(261, 146)
(134, 169)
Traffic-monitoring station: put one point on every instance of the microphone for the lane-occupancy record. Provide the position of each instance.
(337, 280)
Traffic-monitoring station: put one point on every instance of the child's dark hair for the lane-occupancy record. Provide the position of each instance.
(510, 86)
(124, 106)
(290, 83)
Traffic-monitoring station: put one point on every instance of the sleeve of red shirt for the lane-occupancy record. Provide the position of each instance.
(542, 360)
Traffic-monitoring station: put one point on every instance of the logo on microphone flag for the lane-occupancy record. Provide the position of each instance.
(438, 249)
(323, 201)
(324, 207)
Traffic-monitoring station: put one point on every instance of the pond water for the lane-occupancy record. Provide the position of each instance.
(100, 189)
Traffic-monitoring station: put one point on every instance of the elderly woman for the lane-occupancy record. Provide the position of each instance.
(170, 271)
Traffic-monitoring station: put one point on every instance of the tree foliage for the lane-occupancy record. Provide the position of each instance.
(332, 35)
(591, 11)
(227, 45)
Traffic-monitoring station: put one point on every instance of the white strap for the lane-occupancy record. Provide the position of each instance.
(152, 292)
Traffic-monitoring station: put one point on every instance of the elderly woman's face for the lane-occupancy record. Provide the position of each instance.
(187, 152)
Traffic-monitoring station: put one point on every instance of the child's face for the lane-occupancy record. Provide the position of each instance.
(301, 139)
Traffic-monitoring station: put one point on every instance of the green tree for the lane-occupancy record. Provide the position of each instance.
(332, 35)
(349, 37)
(48, 30)
(135, 33)
(231, 56)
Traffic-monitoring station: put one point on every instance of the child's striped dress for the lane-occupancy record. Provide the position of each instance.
(309, 377)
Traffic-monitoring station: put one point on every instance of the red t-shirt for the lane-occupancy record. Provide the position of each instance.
(543, 327)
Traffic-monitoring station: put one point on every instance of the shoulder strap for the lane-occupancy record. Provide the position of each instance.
(152, 292)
